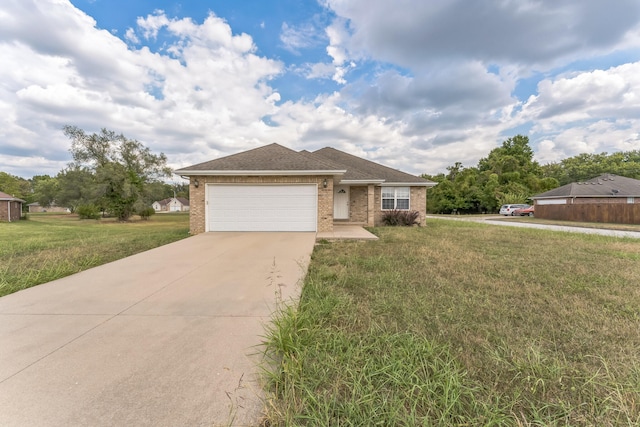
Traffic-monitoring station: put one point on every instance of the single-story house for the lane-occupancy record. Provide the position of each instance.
(171, 204)
(274, 188)
(10, 207)
(35, 207)
(606, 198)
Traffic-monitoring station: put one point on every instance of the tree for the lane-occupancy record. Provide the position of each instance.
(45, 189)
(122, 169)
(76, 187)
(507, 175)
(586, 166)
(15, 186)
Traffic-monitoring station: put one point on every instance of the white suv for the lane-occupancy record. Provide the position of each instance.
(510, 209)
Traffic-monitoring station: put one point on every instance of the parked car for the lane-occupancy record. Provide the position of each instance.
(524, 211)
(510, 209)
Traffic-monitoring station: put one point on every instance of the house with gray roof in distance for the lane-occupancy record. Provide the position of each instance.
(274, 188)
(606, 198)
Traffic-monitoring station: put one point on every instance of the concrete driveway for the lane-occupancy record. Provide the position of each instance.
(167, 337)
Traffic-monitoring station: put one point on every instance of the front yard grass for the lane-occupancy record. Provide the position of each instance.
(47, 247)
(461, 324)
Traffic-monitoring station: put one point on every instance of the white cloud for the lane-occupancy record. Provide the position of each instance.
(130, 35)
(210, 95)
(424, 84)
(414, 33)
(294, 38)
(588, 112)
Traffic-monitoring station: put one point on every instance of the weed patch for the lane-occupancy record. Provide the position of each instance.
(461, 323)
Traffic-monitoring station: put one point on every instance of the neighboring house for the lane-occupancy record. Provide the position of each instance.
(10, 207)
(606, 198)
(274, 188)
(172, 204)
(35, 207)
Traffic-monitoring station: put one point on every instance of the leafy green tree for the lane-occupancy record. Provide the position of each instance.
(45, 190)
(122, 168)
(15, 186)
(507, 175)
(586, 166)
(76, 187)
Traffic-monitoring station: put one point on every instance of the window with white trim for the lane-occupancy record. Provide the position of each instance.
(395, 198)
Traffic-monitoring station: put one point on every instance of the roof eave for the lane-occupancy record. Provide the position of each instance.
(576, 196)
(361, 181)
(187, 172)
(409, 184)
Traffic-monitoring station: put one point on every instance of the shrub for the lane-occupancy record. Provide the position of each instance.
(145, 213)
(88, 212)
(398, 217)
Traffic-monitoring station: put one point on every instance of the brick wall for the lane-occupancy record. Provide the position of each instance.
(417, 202)
(14, 207)
(197, 196)
(358, 211)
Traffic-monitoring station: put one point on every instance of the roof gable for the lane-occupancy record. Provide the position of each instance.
(607, 185)
(362, 169)
(270, 158)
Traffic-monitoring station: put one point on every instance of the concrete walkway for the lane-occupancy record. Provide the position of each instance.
(346, 232)
(505, 221)
(168, 337)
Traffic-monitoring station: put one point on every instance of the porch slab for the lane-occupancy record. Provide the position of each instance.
(346, 232)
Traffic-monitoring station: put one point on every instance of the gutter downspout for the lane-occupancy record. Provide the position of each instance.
(9, 209)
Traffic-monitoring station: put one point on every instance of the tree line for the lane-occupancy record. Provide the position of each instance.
(110, 174)
(510, 175)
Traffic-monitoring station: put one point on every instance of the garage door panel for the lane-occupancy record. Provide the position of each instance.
(262, 207)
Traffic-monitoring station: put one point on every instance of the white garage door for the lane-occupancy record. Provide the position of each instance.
(262, 207)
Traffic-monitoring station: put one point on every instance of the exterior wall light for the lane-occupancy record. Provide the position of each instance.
(196, 183)
(325, 183)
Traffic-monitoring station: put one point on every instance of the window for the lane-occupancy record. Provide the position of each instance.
(395, 198)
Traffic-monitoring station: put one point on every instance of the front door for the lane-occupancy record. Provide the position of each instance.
(341, 202)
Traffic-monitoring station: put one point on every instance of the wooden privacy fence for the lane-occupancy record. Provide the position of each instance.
(617, 213)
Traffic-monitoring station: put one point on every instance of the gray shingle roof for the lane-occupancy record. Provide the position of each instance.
(272, 157)
(359, 168)
(352, 172)
(276, 158)
(607, 185)
(9, 198)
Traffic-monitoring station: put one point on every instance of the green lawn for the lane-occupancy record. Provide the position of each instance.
(461, 324)
(47, 247)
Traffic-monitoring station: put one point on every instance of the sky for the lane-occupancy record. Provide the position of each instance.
(416, 85)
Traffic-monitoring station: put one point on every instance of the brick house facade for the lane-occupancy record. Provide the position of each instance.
(323, 173)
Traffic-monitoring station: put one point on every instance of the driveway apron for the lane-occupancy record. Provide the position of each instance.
(168, 337)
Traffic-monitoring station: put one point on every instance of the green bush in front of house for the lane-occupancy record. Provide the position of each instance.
(402, 218)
